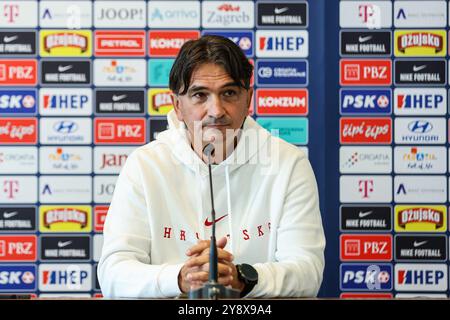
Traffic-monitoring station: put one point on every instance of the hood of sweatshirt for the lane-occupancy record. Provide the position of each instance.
(253, 140)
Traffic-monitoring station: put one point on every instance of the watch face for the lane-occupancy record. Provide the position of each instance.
(248, 272)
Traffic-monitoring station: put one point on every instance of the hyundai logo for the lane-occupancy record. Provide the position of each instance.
(420, 126)
(65, 127)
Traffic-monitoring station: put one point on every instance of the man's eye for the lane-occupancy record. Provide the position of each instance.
(198, 95)
(230, 93)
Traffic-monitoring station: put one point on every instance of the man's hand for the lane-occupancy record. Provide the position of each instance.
(195, 271)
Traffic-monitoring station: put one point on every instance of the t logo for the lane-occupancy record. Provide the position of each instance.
(10, 187)
(11, 12)
(365, 187)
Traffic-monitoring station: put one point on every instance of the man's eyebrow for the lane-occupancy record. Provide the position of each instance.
(195, 88)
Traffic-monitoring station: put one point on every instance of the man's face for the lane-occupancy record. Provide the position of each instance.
(213, 108)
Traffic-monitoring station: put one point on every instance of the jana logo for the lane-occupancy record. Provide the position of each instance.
(420, 126)
(65, 127)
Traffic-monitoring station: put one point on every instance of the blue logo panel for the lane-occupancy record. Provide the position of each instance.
(18, 102)
(366, 277)
(17, 277)
(244, 39)
(362, 102)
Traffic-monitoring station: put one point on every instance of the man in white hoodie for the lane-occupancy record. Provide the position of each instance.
(156, 235)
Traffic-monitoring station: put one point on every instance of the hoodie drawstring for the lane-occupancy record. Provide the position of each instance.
(200, 215)
(230, 216)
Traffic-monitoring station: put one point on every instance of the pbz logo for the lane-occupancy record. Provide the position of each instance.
(17, 277)
(366, 101)
(17, 101)
(366, 277)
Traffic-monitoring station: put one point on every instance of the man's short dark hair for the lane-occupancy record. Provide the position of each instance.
(209, 49)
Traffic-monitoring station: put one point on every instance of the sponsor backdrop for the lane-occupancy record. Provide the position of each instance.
(360, 86)
(387, 86)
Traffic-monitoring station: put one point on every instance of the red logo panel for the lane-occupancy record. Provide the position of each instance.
(366, 72)
(350, 295)
(168, 43)
(18, 131)
(282, 101)
(18, 72)
(366, 247)
(119, 131)
(366, 130)
(18, 248)
(120, 43)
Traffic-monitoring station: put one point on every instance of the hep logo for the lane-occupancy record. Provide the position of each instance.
(281, 43)
(365, 188)
(72, 278)
(420, 277)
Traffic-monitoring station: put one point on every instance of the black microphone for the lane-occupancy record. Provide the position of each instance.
(212, 289)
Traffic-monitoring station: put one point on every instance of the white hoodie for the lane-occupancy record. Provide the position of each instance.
(266, 202)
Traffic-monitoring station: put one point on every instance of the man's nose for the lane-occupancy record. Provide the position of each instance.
(216, 107)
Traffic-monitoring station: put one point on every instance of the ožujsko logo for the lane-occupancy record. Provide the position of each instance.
(65, 43)
(65, 218)
(420, 43)
(420, 218)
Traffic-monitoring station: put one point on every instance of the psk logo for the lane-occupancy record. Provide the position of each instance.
(65, 127)
(420, 126)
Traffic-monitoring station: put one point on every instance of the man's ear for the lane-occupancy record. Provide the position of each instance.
(176, 106)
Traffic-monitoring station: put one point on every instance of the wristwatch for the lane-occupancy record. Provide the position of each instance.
(248, 275)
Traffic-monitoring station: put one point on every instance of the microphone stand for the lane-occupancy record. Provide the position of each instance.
(212, 289)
